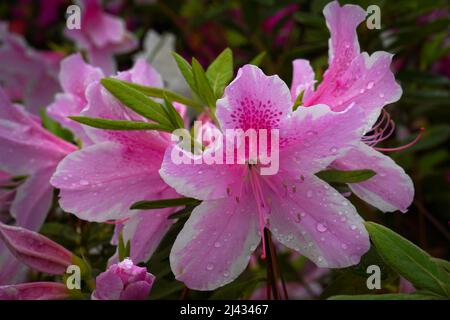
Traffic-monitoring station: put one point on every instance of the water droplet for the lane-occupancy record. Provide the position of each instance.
(353, 227)
(209, 266)
(84, 183)
(309, 194)
(370, 85)
(333, 150)
(217, 244)
(226, 274)
(344, 246)
(381, 95)
(321, 227)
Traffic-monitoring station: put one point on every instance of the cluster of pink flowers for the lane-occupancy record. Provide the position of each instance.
(335, 126)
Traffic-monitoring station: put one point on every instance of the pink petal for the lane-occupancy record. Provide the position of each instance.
(11, 270)
(142, 73)
(202, 181)
(109, 287)
(66, 105)
(253, 100)
(342, 23)
(302, 79)
(313, 137)
(309, 216)
(389, 190)
(145, 231)
(33, 200)
(34, 291)
(353, 77)
(136, 291)
(35, 250)
(102, 181)
(75, 75)
(215, 244)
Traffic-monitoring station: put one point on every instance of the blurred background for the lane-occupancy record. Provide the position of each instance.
(416, 31)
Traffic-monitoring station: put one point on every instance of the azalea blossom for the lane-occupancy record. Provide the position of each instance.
(101, 181)
(31, 152)
(27, 74)
(102, 35)
(303, 212)
(366, 81)
(75, 75)
(123, 281)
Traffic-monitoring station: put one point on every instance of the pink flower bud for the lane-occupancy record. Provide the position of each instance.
(34, 291)
(35, 250)
(123, 281)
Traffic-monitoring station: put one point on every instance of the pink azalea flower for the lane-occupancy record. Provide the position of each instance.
(123, 281)
(368, 83)
(75, 75)
(303, 212)
(26, 74)
(100, 182)
(29, 150)
(101, 35)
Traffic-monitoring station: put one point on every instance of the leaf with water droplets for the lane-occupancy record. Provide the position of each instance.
(409, 260)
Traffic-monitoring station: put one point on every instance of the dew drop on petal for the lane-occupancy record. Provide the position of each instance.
(370, 85)
(84, 183)
(309, 194)
(209, 266)
(321, 227)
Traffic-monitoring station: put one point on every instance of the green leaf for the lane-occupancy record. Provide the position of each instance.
(54, 127)
(186, 70)
(204, 90)
(165, 203)
(409, 260)
(119, 124)
(387, 296)
(351, 176)
(123, 249)
(256, 61)
(172, 96)
(135, 100)
(220, 72)
(172, 114)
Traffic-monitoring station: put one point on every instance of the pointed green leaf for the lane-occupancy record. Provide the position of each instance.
(173, 114)
(122, 248)
(109, 124)
(351, 176)
(186, 70)
(409, 260)
(172, 96)
(220, 72)
(135, 100)
(204, 90)
(165, 203)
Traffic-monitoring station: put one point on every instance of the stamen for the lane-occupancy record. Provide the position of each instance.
(259, 202)
(417, 139)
